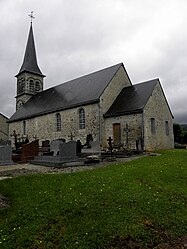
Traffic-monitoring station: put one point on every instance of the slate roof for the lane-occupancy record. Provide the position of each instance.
(84, 90)
(30, 60)
(132, 99)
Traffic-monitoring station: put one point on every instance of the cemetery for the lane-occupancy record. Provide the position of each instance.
(59, 153)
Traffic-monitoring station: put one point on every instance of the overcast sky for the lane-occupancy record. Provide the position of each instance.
(77, 37)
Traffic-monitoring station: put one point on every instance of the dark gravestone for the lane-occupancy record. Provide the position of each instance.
(67, 151)
(110, 144)
(46, 143)
(29, 151)
(45, 149)
(5, 155)
(79, 147)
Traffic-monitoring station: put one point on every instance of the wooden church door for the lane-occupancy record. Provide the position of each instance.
(117, 133)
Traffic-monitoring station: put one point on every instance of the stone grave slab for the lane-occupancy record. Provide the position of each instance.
(68, 151)
(5, 155)
(5, 142)
(55, 146)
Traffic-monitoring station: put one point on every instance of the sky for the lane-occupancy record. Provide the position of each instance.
(77, 37)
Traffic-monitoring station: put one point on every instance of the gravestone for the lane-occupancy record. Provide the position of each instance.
(95, 146)
(79, 147)
(5, 142)
(67, 151)
(93, 149)
(29, 151)
(55, 145)
(45, 147)
(5, 155)
(67, 156)
(46, 143)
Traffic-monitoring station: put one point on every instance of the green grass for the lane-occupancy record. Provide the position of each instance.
(143, 200)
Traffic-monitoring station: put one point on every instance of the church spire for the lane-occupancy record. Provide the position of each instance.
(30, 77)
(30, 60)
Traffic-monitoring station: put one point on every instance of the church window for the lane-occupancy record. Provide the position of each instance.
(167, 128)
(31, 86)
(81, 118)
(21, 85)
(37, 86)
(58, 122)
(24, 127)
(153, 126)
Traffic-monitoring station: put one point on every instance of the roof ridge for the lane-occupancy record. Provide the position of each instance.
(86, 75)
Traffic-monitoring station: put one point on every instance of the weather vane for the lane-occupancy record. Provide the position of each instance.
(31, 16)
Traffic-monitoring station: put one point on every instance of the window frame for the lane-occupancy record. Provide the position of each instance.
(82, 120)
(58, 122)
(167, 128)
(153, 126)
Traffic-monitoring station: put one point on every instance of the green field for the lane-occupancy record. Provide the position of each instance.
(142, 202)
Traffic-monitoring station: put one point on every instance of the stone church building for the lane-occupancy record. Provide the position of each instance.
(102, 104)
(3, 127)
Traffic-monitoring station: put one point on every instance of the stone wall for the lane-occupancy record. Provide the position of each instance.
(119, 81)
(44, 127)
(158, 109)
(134, 123)
(3, 127)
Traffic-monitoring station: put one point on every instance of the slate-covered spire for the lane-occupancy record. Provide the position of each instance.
(30, 59)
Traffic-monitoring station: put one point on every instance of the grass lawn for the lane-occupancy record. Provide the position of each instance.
(142, 202)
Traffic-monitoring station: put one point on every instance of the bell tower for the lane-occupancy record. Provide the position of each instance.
(30, 77)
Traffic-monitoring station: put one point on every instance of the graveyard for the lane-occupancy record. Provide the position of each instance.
(60, 153)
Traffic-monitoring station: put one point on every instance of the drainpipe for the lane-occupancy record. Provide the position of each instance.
(143, 146)
(99, 122)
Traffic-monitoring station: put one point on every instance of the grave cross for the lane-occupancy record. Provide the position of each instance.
(71, 136)
(110, 144)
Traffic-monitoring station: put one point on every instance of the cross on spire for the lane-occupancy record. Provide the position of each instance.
(31, 16)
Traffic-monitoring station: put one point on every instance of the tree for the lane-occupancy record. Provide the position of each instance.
(177, 133)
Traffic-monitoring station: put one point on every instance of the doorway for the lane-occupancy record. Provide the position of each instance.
(117, 133)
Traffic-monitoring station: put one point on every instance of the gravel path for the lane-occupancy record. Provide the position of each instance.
(26, 169)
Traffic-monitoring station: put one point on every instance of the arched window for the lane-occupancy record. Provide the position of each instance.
(81, 118)
(58, 122)
(21, 85)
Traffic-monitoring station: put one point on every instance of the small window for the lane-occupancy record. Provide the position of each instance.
(21, 84)
(31, 86)
(152, 126)
(58, 122)
(24, 127)
(167, 128)
(81, 118)
(37, 86)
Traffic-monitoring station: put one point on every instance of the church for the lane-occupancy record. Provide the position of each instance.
(98, 105)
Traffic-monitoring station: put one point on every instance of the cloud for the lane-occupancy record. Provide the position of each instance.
(74, 38)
